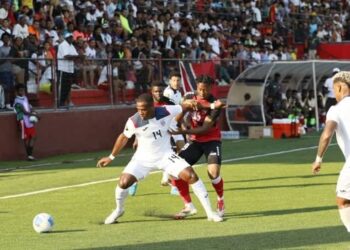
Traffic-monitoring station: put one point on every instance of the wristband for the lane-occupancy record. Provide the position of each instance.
(318, 159)
(111, 157)
(212, 105)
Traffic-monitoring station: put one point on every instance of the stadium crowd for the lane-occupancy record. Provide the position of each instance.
(146, 36)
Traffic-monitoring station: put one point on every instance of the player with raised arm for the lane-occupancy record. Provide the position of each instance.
(204, 139)
(338, 120)
(150, 125)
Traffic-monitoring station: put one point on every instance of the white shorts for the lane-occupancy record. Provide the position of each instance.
(343, 184)
(170, 163)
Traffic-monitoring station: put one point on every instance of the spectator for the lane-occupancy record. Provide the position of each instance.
(47, 73)
(7, 81)
(19, 66)
(90, 65)
(273, 88)
(21, 28)
(328, 89)
(142, 77)
(116, 73)
(66, 55)
(313, 44)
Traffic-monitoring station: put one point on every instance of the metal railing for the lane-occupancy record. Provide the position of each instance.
(100, 81)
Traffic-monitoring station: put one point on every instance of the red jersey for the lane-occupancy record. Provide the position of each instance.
(198, 117)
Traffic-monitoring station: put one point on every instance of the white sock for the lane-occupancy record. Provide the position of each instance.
(120, 196)
(190, 205)
(202, 194)
(345, 217)
(165, 177)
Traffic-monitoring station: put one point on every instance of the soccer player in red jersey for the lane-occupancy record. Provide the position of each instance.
(204, 138)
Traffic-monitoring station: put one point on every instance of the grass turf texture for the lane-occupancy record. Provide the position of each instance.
(272, 202)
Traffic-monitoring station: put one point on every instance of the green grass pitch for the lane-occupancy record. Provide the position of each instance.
(272, 202)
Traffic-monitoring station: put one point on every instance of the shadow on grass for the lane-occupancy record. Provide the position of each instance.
(155, 216)
(281, 212)
(278, 186)
(301, 238)
(210, 190)
(285, 177)
(67, 231)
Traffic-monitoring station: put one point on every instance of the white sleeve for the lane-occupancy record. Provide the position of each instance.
(166, 93)
(61, 52)
(103, 76)
(129, 129)
(174, 110)
(332, 115)
(15, 30)
(73, 51)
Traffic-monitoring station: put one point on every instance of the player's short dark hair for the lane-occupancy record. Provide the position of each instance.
(174, 73)
(147, 98)
(204, 79)
(19, 86)
(157, 84)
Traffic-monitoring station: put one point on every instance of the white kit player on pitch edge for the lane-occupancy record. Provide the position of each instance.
(150, 125)
(338, 121)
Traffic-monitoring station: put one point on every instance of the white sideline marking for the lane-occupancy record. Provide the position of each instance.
(115, 179)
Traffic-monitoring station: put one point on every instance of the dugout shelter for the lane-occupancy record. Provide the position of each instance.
(245, 99)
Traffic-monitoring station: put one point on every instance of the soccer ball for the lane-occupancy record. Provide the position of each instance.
(33, 119)
(43, 223)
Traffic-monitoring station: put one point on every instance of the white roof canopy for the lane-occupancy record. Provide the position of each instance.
(248, 88)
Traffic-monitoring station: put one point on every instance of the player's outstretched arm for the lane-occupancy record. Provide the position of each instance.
(207, 124)
(217, 104)
(325, 139)
(189, 105)
(118, 146)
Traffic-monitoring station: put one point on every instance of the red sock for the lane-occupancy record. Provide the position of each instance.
(184, 190)
(219, 188)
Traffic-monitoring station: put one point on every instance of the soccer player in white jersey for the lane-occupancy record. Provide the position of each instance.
(173, 90)
(150, 125)
(173, 93)
(338, 121)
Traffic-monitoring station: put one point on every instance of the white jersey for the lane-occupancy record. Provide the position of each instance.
(340, 113)
(329, 85)
(152, 135)
(174, 95)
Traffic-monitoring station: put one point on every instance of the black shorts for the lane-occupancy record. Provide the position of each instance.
(193, 151)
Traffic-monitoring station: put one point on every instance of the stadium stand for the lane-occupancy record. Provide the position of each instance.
(147, 38)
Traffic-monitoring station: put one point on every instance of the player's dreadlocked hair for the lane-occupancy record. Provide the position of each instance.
(342, 76)
(204, 79)
(147, 98)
